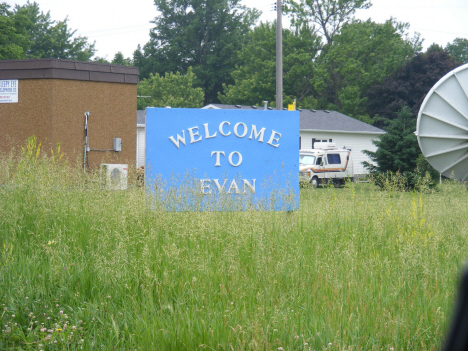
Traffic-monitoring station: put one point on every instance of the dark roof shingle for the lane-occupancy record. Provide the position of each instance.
(141, 117)
(335, 122)
(320, 120)
(314, 120)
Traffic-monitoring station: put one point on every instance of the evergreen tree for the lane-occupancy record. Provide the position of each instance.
(398, 149)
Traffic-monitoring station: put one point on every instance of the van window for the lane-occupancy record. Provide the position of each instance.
(334, 159)
(306, 159)
(319, 161)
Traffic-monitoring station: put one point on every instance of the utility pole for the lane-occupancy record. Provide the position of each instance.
(279, 55)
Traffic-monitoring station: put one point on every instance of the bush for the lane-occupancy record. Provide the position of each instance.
(406, 181)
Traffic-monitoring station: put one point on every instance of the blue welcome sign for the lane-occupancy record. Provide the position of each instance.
(199, 159)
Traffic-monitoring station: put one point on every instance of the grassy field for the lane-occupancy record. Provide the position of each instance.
(352, 269)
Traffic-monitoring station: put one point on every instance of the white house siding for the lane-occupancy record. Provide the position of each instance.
(352, 134)
(357, 142)
(141, 145)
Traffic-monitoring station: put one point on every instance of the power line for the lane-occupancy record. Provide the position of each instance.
(439, 31)
(113, 30)
(116, 33)
(424, 7)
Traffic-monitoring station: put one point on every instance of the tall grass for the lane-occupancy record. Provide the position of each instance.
(353, 269)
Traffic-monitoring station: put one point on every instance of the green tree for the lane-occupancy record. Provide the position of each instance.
(101, 59)
(255, 76)
(362, 55)
(27, 32)
(458, 49)
(408, 86)
(119, 59)
(51, 39)
(13, 35)
(175, 90)
(398, 149)
(328, 15)
(203, 34)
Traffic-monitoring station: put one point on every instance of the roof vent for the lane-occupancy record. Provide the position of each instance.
(238, 106)
(313, 111)
(265, 105)
(326, 111)
(254, 107)
(270, 108)
(299, 109)
(284, 108)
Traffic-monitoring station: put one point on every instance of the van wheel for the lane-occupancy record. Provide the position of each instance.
(314, 182)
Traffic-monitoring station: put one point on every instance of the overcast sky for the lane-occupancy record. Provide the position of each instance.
(122, 25)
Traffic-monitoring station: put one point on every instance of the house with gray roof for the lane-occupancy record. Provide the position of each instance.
(314, 125)
(329, 126)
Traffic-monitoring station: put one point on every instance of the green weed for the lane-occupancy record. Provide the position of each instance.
(82, 267)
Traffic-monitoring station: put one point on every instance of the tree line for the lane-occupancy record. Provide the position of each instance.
(216, 51)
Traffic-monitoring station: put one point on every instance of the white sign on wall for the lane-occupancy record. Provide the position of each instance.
(8, 91)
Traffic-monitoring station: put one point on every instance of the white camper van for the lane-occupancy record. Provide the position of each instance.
(325, 163)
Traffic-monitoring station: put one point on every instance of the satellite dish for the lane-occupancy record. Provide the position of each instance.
(442, 127)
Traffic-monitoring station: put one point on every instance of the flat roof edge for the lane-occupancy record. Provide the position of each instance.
(68, 69)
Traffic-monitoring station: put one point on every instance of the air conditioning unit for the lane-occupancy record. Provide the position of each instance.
(114, 176)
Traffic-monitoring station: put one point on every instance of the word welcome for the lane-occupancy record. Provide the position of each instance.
(240, 130)
(254, 134)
